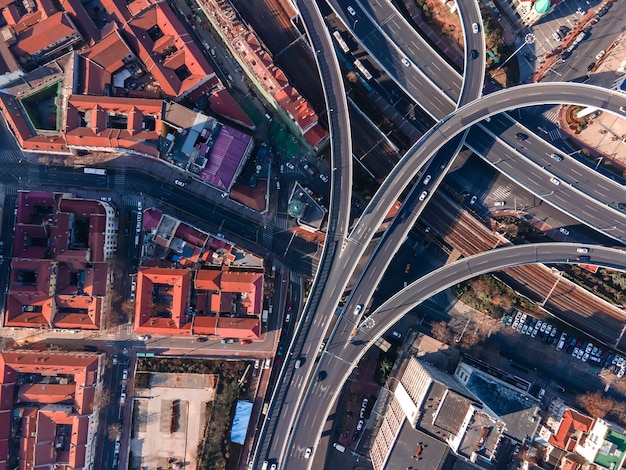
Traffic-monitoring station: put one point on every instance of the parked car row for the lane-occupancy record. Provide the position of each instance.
(577, 348)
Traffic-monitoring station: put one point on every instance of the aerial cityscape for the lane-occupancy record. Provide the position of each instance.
(313, 234)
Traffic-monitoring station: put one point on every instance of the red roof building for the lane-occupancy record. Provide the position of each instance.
(47, 413)
(110, 123)
(260, 66)
(574, 426)
(215, 302)
(59, 270)
(46, 35)
(111, 52)
(167, 50)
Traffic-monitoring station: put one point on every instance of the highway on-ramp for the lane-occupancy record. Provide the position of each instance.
(345, 350)
(415, 160)
(311, 328)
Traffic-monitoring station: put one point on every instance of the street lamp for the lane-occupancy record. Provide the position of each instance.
(546, 195)
(528, 39)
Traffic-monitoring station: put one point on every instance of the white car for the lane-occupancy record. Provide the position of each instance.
(359, 425)
(180, 183)
(125, 374)
(324, 178)
(426, 179)
(555, 181)
(473, 200)
(144, 337)
(548, 329)
(582, 250)
(122, 399)
(358, 309)
(499, 203)
(406, 62)
(351, 11)
(423, 195)
(474, 28)
(307, 452)
(564, 231)
(290, 166)
(600, 54)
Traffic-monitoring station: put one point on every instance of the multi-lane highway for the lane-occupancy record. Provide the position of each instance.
(345, 350)
(414, 161)
(337, 229)
(402, 37)
(475, 51)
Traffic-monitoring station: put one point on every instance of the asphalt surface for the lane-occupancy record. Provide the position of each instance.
(270, 442)
(344, 350)
(475, 51)
(374, 25)
(600, 38)
(415, 160)
(404, 38)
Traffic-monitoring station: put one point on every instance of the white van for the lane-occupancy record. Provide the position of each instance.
(339, 447)
(268, 363)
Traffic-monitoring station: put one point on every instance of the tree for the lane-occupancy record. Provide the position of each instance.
(596, 404)
(113, 431)
(385, 367)
(442, 332)
(101, 399)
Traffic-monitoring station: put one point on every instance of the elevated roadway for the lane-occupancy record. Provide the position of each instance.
(394, 33)
(286, 393)
(419, 158)
(345, 350)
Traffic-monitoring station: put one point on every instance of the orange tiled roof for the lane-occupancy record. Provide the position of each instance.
(167, 48)
(170, 284)
(573, 422)
(109, 52)
(62, 404)
(48, 31)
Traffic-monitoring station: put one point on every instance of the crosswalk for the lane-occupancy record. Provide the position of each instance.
(121, 331)
(268, 237)
(551, 116)
(120, 181)
(555, 134)
(131, 200)
(501, 192)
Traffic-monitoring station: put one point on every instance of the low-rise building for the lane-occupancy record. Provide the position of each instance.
(48, 412)
(194, 283)
(60, 265)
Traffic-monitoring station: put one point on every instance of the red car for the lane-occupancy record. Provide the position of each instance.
(246, 341)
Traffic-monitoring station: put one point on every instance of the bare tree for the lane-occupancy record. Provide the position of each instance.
(442, 332)
(113, 431)
(596, 404)
(101, 399)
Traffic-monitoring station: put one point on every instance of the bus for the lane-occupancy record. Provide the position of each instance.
(341, 42)
(366, 73)
(95, 171)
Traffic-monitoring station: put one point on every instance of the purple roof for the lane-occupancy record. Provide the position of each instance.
(225, 156)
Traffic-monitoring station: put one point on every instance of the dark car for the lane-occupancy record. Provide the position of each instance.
(566, 55)
(202, 339)
(584, 259)
(474, 54)
(591, 66)
(321, 375)
(603, 11)
(521, 136)
(621, 205)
